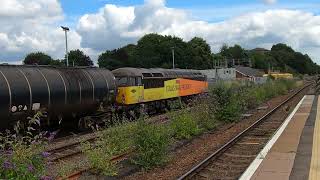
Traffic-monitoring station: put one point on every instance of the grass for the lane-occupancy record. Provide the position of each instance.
(183, 126)
(111, 142)
(225, 103)
(22, 154)
(151, 145)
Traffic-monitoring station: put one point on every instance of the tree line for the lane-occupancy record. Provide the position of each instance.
(75, 58)
(156, 51)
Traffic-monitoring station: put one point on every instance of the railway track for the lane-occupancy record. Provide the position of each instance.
(68, 146)
(232, 159)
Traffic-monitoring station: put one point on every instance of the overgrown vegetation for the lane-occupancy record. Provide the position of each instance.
(183, 126)
(224, 104)
(22, 154)
(151, 144)
(23, 157)
(111, 142)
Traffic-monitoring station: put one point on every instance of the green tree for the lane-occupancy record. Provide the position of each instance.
(107, 60)
(236, 53)
(154, 50)
(200, 54)
(39, 58)
(56, 63)
(259, 61)
(78, 58)
(224, 51)
(117, 58)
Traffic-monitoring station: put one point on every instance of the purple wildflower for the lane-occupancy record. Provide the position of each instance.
(9, 152)
(7, 165)
(45, 154)
(46, 178)
(30, 168)
(51, 136)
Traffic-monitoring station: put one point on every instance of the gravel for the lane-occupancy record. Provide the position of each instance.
(185, 157)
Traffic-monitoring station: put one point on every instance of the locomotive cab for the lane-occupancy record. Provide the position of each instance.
(126, 81)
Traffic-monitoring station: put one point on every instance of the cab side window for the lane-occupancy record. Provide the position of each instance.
(132, 81)
(153, 83)
(122, 81)
(138, 81)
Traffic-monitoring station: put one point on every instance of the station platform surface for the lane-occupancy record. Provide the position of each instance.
(294, 150)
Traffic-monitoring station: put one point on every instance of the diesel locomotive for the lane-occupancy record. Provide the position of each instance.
(77, 92)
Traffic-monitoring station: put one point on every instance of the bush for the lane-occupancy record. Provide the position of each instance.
(23, 162)
(111, 142)
(23, 156)
(100, 157)
(151, 144)
(225, 102)
(203, 115)
(183, 125)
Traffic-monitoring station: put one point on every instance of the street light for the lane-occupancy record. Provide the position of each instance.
(172, 48)
(66, 29)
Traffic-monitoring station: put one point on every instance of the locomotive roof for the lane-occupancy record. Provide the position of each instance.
(157, 72)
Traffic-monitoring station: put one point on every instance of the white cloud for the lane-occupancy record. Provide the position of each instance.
(27, 26)
(270, 1)
(115, 26)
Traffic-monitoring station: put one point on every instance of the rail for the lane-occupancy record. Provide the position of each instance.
(231, 142)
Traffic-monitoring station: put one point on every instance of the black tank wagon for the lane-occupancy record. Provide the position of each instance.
(62, 92)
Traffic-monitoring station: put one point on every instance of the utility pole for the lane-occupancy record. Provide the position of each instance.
(66, 29)
(172, 49)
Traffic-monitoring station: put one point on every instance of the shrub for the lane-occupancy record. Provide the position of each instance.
(203, 115)
(225, 102)
(100, 157)
(119, 137)
(111, 142)
(22, 156)
(151, 144)
(183, 125)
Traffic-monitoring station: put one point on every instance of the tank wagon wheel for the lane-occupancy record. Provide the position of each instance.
(85, 123)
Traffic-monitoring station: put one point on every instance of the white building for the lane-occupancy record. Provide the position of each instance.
(220, 74)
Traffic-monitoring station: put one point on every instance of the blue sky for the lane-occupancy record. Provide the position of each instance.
(207, 10)
(249, 23)
(79, 7)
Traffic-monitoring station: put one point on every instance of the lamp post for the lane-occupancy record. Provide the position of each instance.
(66, 29)
(172, 49)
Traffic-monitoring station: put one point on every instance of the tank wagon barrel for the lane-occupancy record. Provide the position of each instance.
(60, 91)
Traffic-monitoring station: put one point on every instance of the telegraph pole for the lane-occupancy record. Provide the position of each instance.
(66, 29)
(172, 49)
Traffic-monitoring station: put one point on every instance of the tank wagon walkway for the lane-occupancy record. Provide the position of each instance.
(294, 151)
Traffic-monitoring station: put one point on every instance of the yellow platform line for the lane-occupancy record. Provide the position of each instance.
(314, 173)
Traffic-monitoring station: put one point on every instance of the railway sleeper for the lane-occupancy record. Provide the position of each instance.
(221, 173)
(224, 165)
(252, 141)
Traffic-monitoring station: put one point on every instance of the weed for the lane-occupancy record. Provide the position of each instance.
(203, 115)
(225, 102)
(151, 144)
(111, 142)
(22, 154)
(183, 125)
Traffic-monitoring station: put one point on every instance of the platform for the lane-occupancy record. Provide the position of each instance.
(294, 150)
